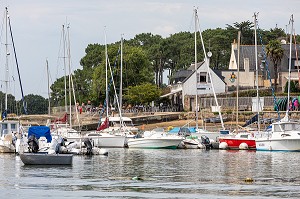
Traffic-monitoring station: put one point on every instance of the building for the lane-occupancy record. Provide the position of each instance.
(185, 86)
(247, 68)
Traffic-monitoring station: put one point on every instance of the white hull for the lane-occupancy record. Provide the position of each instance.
(154, 143)
(278, 145)
(190, 144)
(104, 140)
(284, 136)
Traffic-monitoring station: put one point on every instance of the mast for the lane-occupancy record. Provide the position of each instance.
(238, 82)
(290, 64)
(211, 79)
(6, 62)
(121, 75)
(65, 77)
(196, 76)
(106, 77)
(69, 64)
(49, 110)
(256, 74)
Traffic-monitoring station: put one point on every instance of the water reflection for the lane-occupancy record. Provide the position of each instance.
(138, 173)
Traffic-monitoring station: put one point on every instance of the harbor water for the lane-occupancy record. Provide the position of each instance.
(141, 173)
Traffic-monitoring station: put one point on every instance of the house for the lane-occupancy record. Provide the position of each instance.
(247, 68)
(185, 86)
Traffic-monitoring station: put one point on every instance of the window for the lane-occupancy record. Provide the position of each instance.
(296, 64)
(13, 127)
(203, 78)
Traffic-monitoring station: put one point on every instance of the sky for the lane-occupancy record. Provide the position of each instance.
(37, 28)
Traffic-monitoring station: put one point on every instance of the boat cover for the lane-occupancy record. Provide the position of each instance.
(40, 131)
(177, 129)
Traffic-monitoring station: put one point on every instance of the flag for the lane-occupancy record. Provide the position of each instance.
(104, 125)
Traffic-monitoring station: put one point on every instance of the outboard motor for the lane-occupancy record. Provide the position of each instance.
(33, 146)
(205, 140)
(89, 146)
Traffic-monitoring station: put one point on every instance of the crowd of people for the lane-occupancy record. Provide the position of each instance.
(294, 104)
(89, 108)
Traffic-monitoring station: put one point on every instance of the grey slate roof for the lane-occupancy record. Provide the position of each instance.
(248, 51)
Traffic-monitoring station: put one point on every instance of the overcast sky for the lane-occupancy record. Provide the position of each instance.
(37, 27)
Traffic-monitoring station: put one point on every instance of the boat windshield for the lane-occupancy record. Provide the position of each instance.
(286, 127)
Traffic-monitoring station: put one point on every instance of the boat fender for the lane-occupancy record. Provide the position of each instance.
(223, 145)
(243, 146)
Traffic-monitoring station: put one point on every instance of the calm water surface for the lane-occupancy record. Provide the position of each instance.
(161, 174)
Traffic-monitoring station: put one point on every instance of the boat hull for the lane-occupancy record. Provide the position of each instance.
(108, 141)
(278, 145)
(154, 143)
(46, 159)
(234, 143)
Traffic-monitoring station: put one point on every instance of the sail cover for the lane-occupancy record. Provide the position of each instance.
(40, 131)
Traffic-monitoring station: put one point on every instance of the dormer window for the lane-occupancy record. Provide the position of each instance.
(203, 77)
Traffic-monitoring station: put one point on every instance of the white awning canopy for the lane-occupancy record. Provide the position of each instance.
(171, 93)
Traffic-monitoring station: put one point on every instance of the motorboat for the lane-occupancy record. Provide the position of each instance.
(280, 136)
(46, 159)
(155, 139)
(240, 140)
(114, 139)
(50, 155)
(9, 133)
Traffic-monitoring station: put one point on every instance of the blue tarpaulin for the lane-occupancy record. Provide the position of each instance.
(40, 131)
(176, 129)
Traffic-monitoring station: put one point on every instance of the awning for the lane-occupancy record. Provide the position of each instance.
(171, 93)
(293, 78)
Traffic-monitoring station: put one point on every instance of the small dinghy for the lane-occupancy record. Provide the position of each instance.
(46, 159)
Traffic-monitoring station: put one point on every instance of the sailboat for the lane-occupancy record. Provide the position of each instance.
(285, 134)
(61, 126)
(106, 135)
(242, 138)
(10, 133)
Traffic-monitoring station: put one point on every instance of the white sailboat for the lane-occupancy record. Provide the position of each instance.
(108, 136)
(285, 134)
(9, 129)
(155, 139)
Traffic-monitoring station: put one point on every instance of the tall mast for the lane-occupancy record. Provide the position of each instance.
(65, 77)
(238, 82)
(69, 64)
(7, 54)
(121, 75)
(290, 64)
(256, 75)
(106, 77)
(48, 85)
(196, 76)
(211, 79)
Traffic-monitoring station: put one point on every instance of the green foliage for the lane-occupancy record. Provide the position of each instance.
(36, 104)
(293, 87)
(275, 52)
(146, 56)
(142, 94)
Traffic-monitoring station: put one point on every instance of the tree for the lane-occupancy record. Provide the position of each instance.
(275, 53)
(142, 94)
(246, 31)
(36, 104)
